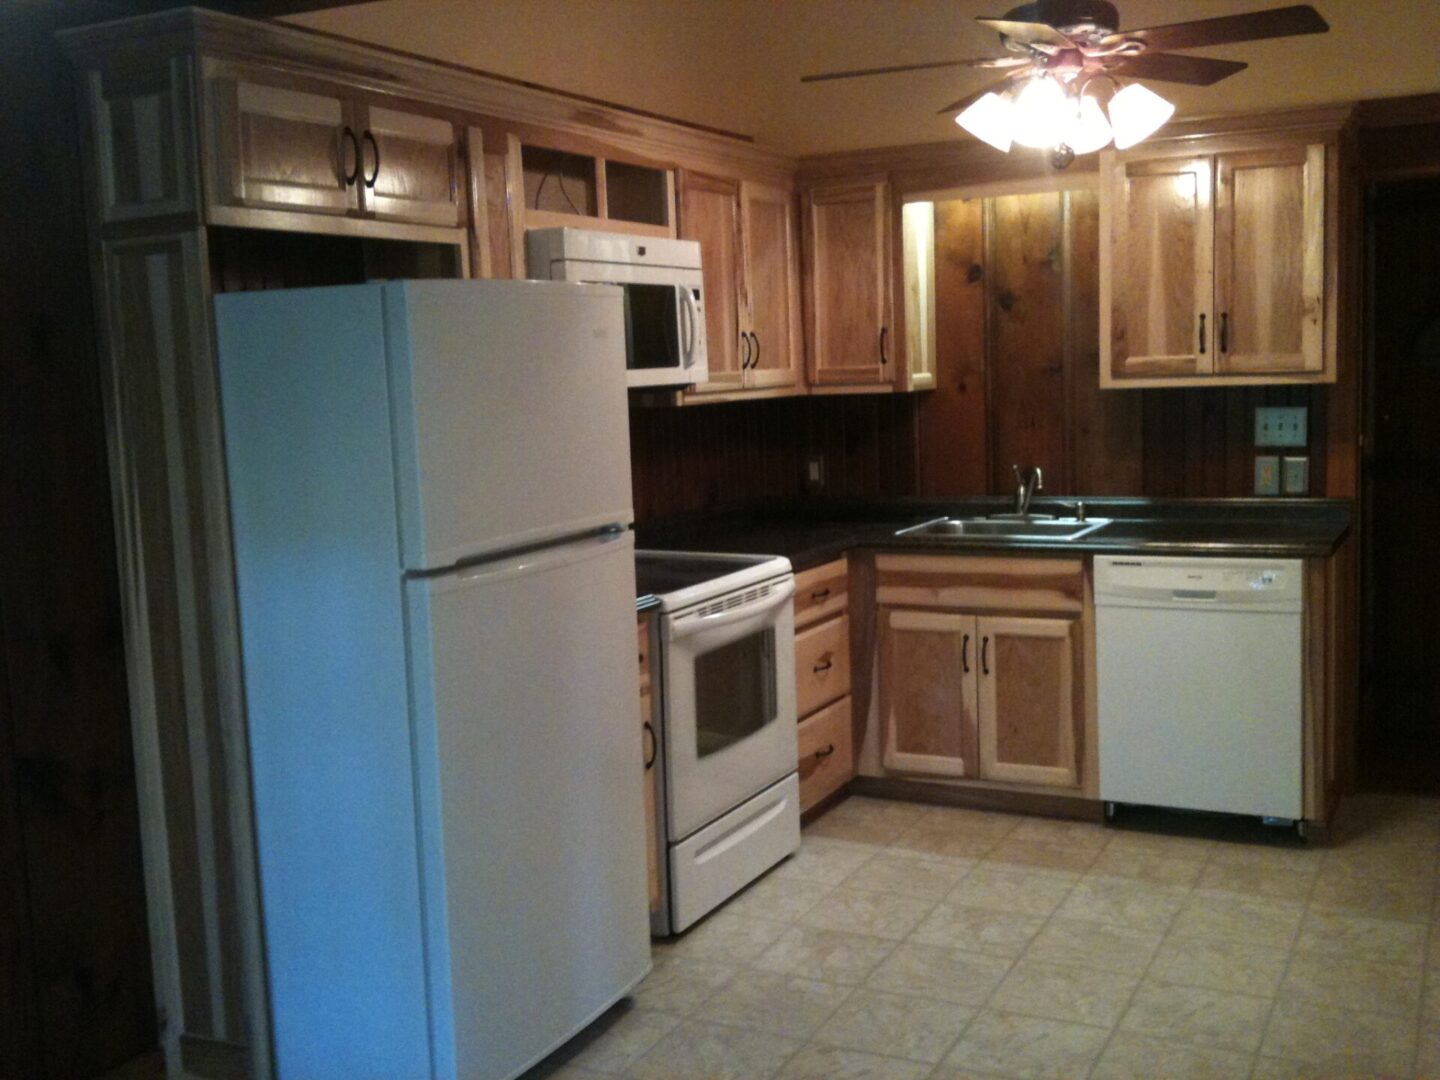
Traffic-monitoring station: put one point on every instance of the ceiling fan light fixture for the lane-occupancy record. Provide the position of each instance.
(1087, 130)
(989, 120)
(1040, 113)
(1136, 113)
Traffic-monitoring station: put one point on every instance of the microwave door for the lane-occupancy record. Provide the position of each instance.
(654, 328)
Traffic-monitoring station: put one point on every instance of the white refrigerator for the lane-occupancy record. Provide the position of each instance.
(429, 488)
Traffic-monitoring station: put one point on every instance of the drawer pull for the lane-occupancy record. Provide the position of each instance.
(654, 747)
(965, 654)
(819, 594)
(825, 665)
(819, 754)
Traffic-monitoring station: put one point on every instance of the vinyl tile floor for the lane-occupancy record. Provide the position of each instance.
(908, 942)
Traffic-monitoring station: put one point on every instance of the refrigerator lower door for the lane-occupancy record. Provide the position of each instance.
(530, 781)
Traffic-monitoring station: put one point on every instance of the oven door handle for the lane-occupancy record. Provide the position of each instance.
(690, 625)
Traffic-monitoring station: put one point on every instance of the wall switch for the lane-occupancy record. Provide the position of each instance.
(1282, 425)
(1267, 474)
(1295, 475)
(815, 471)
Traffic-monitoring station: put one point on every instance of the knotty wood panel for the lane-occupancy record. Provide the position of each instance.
(982, 583)
(710, 215)
(1027, 700)
(954, 442)
(76, 996)
(1025, 319)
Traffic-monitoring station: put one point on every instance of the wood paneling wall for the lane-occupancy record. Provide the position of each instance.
(76, 996)
(1018, 372)
(711, 456)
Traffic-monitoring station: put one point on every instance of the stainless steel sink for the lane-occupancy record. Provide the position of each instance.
(1047, 528)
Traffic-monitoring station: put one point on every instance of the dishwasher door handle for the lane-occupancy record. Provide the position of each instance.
(1193, 594)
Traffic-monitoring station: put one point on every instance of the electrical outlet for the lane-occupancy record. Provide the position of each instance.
(815, 471)
(1295, 475)
(1267, 474)
(1277, 425)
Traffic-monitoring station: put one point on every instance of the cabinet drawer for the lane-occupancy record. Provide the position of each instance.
(822, 664)
(981, 583)
(820, 592)
(827, 752)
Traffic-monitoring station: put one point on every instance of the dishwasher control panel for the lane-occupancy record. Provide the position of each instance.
(1197, 580)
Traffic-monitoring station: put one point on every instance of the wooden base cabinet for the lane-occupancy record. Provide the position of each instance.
(982, 672)
(826, 740)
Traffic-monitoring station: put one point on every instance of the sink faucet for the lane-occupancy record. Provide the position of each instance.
(1027, 482)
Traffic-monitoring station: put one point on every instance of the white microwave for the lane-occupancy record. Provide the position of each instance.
(664, 296)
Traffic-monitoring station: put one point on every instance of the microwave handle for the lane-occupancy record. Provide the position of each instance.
(690, 318)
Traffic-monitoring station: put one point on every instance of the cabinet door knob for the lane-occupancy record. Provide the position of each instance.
(1224, 331)
(348, 134)
(965, 654)
(824, 665)
(884, 332)
(745, 359)
(756, 339)
(654, 749)
(375, 148)
(819, 594)
(819, 754)
(985, 655)
(1202, 333)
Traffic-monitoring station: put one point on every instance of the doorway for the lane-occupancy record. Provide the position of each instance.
(1399, 744)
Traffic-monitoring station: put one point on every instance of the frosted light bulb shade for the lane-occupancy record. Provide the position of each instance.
(1137, 113)
(1040, 113)
(1087, 130)
(989, 120)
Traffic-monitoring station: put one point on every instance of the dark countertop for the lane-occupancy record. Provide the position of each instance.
(811, 532)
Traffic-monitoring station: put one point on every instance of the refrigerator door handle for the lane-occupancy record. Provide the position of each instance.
(529, 562)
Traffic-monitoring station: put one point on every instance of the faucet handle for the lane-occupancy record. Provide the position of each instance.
(1039, 479)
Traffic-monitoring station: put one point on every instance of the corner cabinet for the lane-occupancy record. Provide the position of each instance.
(984, 670)
(1219, 268)
(849, 316)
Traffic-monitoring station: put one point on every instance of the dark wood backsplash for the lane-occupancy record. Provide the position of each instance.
(1017, 294)
(709, 456)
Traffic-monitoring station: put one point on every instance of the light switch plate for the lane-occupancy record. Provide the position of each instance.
(1295, 475)
(1267, 474)
(1282, 425)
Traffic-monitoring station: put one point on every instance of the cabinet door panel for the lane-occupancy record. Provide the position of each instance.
(414, 165)
(772, 285)
(1158, 276)
(928, 691)
(1269, 260)
(710, 213)
(281, 148)
(849, 249)
(1027, 700)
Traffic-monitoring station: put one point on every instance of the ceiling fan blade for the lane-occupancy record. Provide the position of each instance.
(1029, 33)
(1255, 26)
(970, 99)
(1172, 67)
(978, 62)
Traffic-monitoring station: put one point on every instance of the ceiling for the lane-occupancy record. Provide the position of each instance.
(735, 64)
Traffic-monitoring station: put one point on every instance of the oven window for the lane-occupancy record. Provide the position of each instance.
(652, 326)
(734, 692)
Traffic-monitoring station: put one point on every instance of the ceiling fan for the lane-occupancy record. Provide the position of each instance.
(1060, 79)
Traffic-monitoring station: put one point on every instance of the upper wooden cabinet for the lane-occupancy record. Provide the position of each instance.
(276, 142)
(751, 268)
(851, 338)
(1216, 268)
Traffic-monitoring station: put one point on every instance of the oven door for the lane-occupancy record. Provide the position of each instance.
(664, 319)
(729, 674)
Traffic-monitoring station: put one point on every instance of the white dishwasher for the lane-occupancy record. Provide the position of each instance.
(1199, 668)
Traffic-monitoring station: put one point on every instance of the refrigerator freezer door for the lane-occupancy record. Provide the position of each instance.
(510, 412)
(530, 779)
